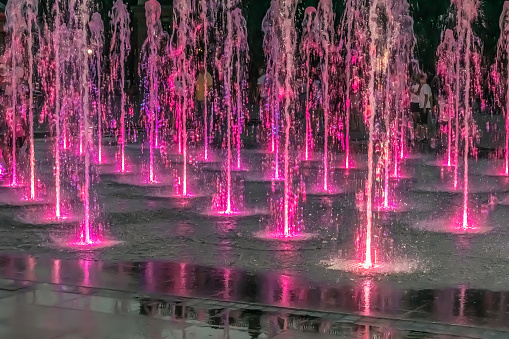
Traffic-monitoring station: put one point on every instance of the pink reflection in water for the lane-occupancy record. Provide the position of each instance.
(366, 289)
(85, 266)
(55, 273)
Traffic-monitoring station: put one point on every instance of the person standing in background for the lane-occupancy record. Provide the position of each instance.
(203, 84)
(425, 104)
(415, 110)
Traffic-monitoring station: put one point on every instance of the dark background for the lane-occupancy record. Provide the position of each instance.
(430, 19)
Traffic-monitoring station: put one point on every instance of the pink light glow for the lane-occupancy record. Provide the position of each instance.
(283, 236)
(58, 214)
(149, 276)
(184, 156)
(151, 178)
(86, 244)
(386, 206)
(228, 209)
(85, 264)
(55, 274)
(464, 224)
(507, 140)
(30, 107)
(227, 277)
(366, 287)
(309, 133)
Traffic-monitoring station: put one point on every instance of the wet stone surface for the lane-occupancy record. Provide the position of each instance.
(83, 299)
(432, 275)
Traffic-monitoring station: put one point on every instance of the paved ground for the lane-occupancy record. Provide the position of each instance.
(45, 298)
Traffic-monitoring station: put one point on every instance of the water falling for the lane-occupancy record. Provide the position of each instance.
(57, 117)
(150, 67)
(396, 56)
(466, 12)
(355, 42)
(31, 19)
(325, 19)
(402, 54)
(288, 39)
(235, 59)
(242, 55)
(228, 58)
(96, 27)
(373, 28)
(184, 79)
(502, 73)
(207, 20)
(309, 46)
(86, 235)
(273, 54)
(446, 65)
(120, 48)
(16, 27)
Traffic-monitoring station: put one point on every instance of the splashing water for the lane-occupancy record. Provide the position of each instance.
(16, 27)
(466, 12)
(372, 21)
(184, 81)
(57, 118)
(86, 236)
(501, 72)
(355, 38)
(31, 18)
(273, 85)
(150, 69)
(120, 48)
(446, 64)
(280, 46)
(309, 45)
(325, 19)
(96, 27)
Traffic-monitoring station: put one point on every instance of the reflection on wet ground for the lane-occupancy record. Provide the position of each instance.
(53, 298)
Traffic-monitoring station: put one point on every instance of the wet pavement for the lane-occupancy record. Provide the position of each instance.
(214, 278)
(53, 298)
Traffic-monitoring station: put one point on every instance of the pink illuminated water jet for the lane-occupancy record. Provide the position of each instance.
(120, 48)
(184, 80)
(236, 48)
(31, 18)
(86, 236)
(309, 44)
(96, 27)
(16, 27)
(150, 71)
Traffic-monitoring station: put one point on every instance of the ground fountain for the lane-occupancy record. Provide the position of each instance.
(208, 21)
(501, 75)
(272, 49)
(153, 50)
(364, 221)
(308, 46)
(446, 62)
(31, 19)
(325, 19)
(183, 80)
(354, 33)
(235, 50)
(96, 27)
(120, 48)
(16, 26)
(467, 91)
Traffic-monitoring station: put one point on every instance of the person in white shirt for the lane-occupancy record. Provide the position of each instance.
(415, 109)
(425, 100)
(262, 92)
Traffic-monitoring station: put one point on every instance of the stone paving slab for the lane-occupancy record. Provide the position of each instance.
(116, 300)
(40, 312)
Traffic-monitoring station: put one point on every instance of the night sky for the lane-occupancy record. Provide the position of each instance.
(430, 19)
